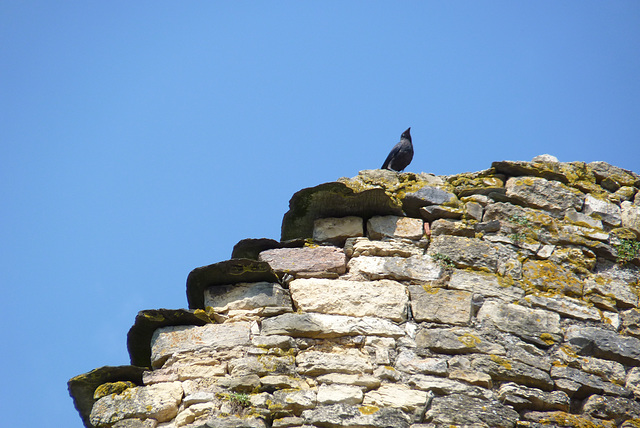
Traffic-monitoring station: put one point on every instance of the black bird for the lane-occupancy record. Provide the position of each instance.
(401, 154)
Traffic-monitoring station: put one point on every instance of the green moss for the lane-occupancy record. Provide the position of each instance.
(627, 250)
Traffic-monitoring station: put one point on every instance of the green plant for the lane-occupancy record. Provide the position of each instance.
(518, 219)
(627, 249)
(525, 226)
(443, 260)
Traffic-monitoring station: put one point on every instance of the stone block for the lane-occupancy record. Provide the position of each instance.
(602, 209)
(466, 252)
(360, 380)
(487, 285)
(159, 402)
(170, 340)
(419, 268)
(551, 196)
(582, 384)
(522, 397)
(245, 296)
(408, 362)
(306, 260)
(440, 305)
(384, 298)
(349, 361)
(337, 230)
(452, 227)
(533, 325)
(395, 248)
(379, 227)
(545, 275)
(510, 370)
(618, 409)
(328, 326)
(456, 341)
(461, 410)
(339, 394)
(630, 217)
(566, 306)
(399, 396)
(602, 343)
(343, 415)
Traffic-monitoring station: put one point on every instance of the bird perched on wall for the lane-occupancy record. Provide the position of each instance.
(401, 154)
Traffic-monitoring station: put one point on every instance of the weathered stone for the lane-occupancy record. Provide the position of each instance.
(601, 343)
(112, 388)
(630, 217)
(521, 397)
(337, 230)
(223, 273)
(283, 342)
(632, 381)
(565, 172)
(617, 409)
(452, 227)
(583, 220)
(234, 422)
(273, 382)
(161, 375)
(474, 210)
(485, 284)
(444, 386)
(293, 400)
(529, 354)
(342, 415)
(504, 369)
(361, 380)
(262, 365)
(587, 384)
(356, 247)
(564, 419)
(477, 183)
(194, 412)
(545, 275)
(551, 196)
(471, 377)
(244, 383)
(544, 158)
(288, 422)
(623, 294)
(246, 296)
(612, 177)
(339, 394)
(306, 260)
(159, 402)
(401, 396)
(407, 361)
(534, 325)
(605, 369)
(455, 341)
(384, 298)
(197, 371)
(419, 268)
(461, 410)
(170, 340)
(465, 252)
(328, 326)
(427, 195)
(565, 306)
(350, 361)
(435, 212)
(135, 423)
(631, 322)
(440, 305)
(379, 227)
(604, 210)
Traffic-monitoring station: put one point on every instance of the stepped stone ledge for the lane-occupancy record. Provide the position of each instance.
(508, 297)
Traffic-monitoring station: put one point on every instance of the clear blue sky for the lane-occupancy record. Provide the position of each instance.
(139, 140)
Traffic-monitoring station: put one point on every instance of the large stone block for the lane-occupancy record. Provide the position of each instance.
(159, 402)
(510, 370)
(522, 397)
(246, 296)
(534, 325)
(357, 247)
(337, 230)
(461, 410)
(343, 415)
(384, 298)
(545, 275)
(440, 305)
(601, 343)
(401, 396)
(379, 227)
(466, 252)
(339, 394)
(306, 260)
(602, 209)
(170, 340)
(551, 196)
(349, 361)
(456, 341)
(630, 217)
(487, 285)
(419, 268)
(325, 326)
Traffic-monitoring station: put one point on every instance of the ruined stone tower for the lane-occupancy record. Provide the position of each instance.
(501, 298)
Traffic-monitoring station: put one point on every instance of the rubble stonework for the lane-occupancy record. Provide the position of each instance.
(507, 297)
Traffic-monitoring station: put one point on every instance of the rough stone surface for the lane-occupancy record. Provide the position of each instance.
(395, 227)
(365, 247)
(167, 341)
(550, 196)
(441, 306)
(419, 268)
(604, 344)
(339, 394)
(328, 326)
(460, 410)
(534, 325)
(396, 396)
(159, 402)
(306, 260)
(465, 252)
(337, 230)
(603, 210)
(350, 361)
(384, 298)
(342, 415)
(485, 284)
(246, 296)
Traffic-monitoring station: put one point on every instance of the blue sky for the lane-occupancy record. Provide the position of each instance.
(139, 140)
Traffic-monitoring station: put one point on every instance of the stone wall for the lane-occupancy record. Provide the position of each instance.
(507, 297)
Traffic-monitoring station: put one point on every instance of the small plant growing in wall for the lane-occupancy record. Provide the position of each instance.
(525, 226)
(443, 260)
(627, 249)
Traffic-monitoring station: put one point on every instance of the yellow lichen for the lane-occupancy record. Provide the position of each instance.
(502, 361)
(368, 410)
(469, 340)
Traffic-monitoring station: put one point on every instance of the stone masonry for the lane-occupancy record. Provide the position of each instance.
(503, 298)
